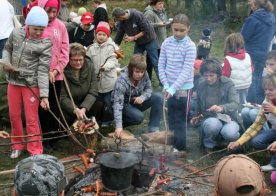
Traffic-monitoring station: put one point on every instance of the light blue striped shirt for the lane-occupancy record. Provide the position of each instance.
(176, 63)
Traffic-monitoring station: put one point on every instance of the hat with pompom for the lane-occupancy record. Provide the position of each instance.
(104, 27)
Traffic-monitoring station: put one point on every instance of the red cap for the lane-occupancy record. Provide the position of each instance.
(52, 3)
(104, 27)
(87, 18)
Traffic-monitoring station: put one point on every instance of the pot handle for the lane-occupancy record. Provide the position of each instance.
(117, 142)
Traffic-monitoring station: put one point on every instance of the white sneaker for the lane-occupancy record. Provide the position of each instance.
(15, 154)
(267, 168)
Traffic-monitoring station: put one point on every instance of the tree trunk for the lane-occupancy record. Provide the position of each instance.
(233, 8)
(188, 3)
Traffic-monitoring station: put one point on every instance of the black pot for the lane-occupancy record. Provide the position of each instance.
(117, 170)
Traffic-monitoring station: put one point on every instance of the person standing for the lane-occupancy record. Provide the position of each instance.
(64, 11)
(176, 67)
(27, 56)
(134, 27)
(84, 32)
(100, 13)
(237, 65)
(6, 21)
(57, 33)
(103, 56)
(258, 31)
(156, 15)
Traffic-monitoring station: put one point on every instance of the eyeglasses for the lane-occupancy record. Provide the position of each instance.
(76, 60)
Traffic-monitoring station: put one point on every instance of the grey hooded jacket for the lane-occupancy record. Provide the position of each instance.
(124, 92)
(31, 57)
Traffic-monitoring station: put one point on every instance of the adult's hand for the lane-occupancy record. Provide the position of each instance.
(138, 100)
(215, 108)
(233, 145)
(4, 134)
(80, 113)
(118, 132)
(196, 119)
(272, 147)
(45, 103)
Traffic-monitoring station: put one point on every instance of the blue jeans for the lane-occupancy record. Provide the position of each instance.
(177, 114)
(152, 52)
(249, 116)
(212, 128)
(2, 45)
(133, 114)
(256, 91)
(108, 111)
(263, 140)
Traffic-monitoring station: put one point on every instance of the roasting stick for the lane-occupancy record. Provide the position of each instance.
(166, 125)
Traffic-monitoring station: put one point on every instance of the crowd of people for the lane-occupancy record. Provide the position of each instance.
(69, 59)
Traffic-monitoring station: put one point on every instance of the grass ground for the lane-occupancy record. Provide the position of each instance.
(67, 147)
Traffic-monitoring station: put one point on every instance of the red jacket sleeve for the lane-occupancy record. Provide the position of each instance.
(226, 69)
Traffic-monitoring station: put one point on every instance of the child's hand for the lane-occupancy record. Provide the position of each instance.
(215, 108)
(4, 134)
(138, 100)
(8, 68)
(167, 95)
(268, 107)
(45, 103)
(52, 76)
(272, 147)
(268, 70)
(118, 132)
(233, 145)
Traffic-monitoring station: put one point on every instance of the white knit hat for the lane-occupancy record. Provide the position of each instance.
(37, 17)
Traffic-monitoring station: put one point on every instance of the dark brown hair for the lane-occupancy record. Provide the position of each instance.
(211, 66)
(233, 43)
(137, 61)
(154, 2)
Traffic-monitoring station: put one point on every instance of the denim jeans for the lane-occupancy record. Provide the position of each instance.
(263, 139)
(152, 51)
(212, 128)
(242, 95)
(177, 114)
(249, 116)
(2, 45)
(256, 91)
(108, 111)
(133, 114)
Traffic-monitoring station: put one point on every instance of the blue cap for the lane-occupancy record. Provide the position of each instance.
(37, 17)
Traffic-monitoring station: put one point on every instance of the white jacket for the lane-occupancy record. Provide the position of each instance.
(99, 53)
(241, 71)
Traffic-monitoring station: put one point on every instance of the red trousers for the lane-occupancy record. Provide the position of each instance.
(18, 95)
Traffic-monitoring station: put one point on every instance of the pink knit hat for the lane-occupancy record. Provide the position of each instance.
(273, 177)
(52, 3)
(104, 27)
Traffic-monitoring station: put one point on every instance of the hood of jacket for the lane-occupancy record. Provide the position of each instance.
(42, 3)
(265, 16)
(152, 9)
(240, 55)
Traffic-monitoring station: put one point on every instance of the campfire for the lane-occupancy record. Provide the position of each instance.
(112, 173)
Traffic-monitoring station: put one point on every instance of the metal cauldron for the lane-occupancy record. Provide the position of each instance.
(117, 170)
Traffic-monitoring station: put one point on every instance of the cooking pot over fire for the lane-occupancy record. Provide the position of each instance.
(117, 170)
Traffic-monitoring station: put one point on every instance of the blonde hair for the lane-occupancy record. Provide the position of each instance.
(233, 43)
(270, 80)
(266, 4)
(182, 19)
(77, 49)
